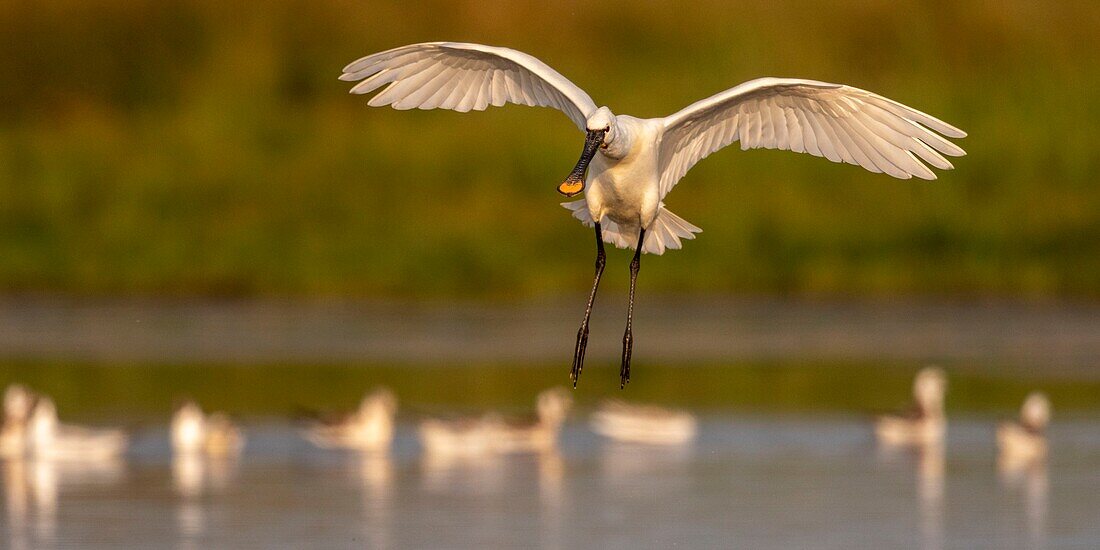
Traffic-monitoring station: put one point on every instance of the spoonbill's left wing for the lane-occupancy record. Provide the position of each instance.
(464, 77)
(840, 123)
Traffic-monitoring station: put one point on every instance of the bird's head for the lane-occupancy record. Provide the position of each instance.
(929, 387)
(599, 131)
(1035, 414)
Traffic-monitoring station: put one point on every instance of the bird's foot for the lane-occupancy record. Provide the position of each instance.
(578, 355)
(624, 370)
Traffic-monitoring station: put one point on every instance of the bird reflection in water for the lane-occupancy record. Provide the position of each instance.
(374, 472)
(930, 495)
(1032, 483)
(188, 476)
(623, 464)
(463, 473)
(551, 477)
(193, 476)
(31, 492)
(16, 502)
(927, 461)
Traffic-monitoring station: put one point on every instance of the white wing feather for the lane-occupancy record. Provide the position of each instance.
(465, 77)
(840, 123)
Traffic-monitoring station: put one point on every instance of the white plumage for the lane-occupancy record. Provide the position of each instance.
(630, 164)
(641, 160)
(1024, 443)
(465, 77)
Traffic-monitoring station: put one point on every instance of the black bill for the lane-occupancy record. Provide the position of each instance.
(575, 182)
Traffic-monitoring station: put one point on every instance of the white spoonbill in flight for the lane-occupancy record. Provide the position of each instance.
(629, 164)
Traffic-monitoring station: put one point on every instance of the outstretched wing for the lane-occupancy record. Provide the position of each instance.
(840, 123)
(464, 77)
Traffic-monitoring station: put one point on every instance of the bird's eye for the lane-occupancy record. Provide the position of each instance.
(608, 129)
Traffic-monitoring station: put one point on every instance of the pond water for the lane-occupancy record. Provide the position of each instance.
(747, 482)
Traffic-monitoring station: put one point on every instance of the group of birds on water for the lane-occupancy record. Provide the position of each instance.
(31, 428)
(1021, 444)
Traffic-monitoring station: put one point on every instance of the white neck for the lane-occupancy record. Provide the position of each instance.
(622, 139)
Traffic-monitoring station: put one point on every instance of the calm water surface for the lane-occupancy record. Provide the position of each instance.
(748, 482)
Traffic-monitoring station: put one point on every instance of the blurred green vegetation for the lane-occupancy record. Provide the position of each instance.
(102, 390)
(206, 148)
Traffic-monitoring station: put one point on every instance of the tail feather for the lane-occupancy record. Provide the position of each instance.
(664, 233)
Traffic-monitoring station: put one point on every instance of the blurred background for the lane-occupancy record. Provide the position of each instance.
(205, 149)
(160, 155)
(192, 204)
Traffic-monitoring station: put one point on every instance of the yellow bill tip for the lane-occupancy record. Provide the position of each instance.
(570, 188)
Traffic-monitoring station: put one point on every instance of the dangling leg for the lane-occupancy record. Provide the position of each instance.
(628, 338)
(582, 334)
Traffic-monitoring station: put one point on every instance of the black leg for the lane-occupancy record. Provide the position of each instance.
(628, 338)
(582, 334)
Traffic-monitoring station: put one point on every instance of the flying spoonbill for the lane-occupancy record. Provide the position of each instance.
(640, 160)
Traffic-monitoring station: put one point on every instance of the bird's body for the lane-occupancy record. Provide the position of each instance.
(370, 428)
(926, 424)
(1024, 443)
(623, 186)
(193, 432)
(629, 165)
(493, 434)
(18, 404)
(50, 439)
(644, 424)
(623, 191)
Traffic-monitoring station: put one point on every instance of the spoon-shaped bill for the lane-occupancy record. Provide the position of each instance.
(575, 182)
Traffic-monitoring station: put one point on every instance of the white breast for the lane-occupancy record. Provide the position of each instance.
(626, 190)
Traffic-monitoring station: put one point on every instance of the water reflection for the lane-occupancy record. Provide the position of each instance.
(32, 488)
(928, 464)
(494, 487)
(44, 486)
(375, 475)
(1029, 478)
(193, 476)
(478, 474)
(930, 494)
(16, 500)
(625, 463)
(730, 485)
(551, 477)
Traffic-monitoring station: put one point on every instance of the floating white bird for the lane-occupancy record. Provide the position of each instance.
(494, 434)
(1025, 442)
(49, 439)
(370, 428)
(644, 424)
(641, 160)
(196, 433)
(18, 403)
(925, 424)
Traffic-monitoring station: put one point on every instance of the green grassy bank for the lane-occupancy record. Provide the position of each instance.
(139, 391)
(197, 147)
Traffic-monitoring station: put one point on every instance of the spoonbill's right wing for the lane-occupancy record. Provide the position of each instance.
(464, 77)
(840, 123)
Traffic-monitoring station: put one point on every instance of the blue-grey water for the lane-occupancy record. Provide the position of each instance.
(748, 482)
